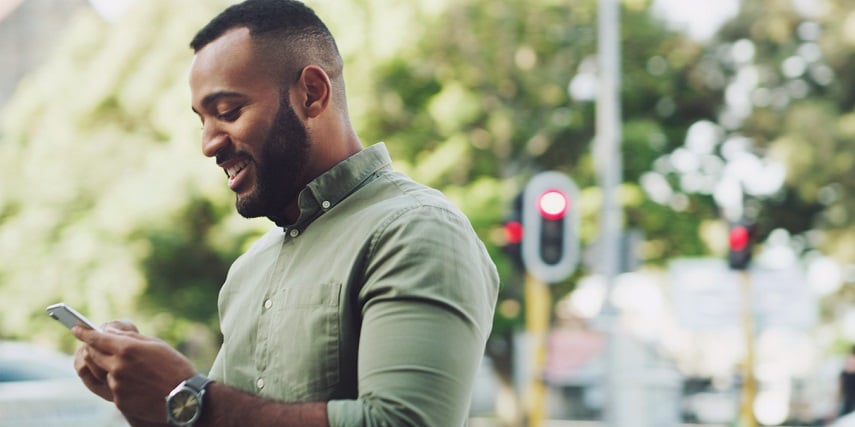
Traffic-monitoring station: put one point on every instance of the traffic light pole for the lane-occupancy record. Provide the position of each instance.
(739, 260)
(538, 313)
(608, 159)
(749, 383)
(549, 249)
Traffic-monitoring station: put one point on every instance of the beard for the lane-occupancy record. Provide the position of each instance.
(280, 168)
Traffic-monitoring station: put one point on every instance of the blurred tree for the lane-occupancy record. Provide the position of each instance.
(787, 69)
(784, 67)
(113, 209)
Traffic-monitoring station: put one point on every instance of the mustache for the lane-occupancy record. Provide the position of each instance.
(226, 156)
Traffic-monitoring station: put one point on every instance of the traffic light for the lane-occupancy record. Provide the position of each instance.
(550, 222)
(513, 230)
(740, 239)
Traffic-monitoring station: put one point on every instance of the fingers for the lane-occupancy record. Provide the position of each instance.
(93, 377)
(95, 385)
(121, 325)
(94, 369)
(94, 360)
(110, 341)
(84, 334)
(82, 360)
(85, 365)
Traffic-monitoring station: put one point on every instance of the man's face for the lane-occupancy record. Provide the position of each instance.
(248, 125)
(279, 167)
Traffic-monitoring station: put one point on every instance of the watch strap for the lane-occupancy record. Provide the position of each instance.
(198, 382)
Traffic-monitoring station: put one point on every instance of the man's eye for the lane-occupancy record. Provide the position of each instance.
(230, 115)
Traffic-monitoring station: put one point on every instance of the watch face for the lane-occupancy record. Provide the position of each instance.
(183, 406)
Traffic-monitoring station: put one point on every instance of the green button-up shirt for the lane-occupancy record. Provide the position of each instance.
(379, 300)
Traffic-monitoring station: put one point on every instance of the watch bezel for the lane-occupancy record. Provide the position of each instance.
(183, 396)
(194, 388)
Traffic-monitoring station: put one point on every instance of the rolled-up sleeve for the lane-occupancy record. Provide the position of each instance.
(427, 306)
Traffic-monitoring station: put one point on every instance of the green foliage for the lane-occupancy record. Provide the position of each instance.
(801, 114)
(113, 208)
(184, 277)
(100, 142)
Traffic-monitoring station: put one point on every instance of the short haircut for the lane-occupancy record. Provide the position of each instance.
(287, 32)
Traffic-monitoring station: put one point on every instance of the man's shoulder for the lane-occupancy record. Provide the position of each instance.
(399, 201)
(408, 193)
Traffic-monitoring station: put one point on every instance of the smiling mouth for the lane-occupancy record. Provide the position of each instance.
(233, 170)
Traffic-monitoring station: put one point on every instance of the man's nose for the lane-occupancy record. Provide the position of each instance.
(213, 139)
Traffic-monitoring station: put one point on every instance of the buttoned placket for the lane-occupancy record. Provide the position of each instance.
(267, 304)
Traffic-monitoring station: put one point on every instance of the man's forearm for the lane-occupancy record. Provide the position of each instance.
(228, 407)
(135, 422)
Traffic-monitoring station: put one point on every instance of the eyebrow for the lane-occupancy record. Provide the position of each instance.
(213, 97)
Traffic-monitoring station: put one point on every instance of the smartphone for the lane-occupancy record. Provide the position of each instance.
(69, 317)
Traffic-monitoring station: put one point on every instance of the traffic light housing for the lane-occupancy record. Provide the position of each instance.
(740, 241)
(550, 223)
(513, 230)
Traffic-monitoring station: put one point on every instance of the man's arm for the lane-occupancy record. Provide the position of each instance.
(427, 309)
(134, 422)
(226, 406)
(138, 372)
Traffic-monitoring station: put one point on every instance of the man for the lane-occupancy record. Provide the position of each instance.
(371, 301)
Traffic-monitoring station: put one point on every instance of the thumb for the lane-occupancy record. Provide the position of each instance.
(120, 325)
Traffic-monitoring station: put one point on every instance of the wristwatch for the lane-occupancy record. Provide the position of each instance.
(184, 403)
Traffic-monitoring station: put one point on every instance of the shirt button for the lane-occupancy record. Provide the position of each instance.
(326, 204)
(294, 233)
(259, 383)
(267, 304)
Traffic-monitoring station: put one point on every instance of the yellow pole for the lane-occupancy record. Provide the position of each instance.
(537, 301)
(749, 387)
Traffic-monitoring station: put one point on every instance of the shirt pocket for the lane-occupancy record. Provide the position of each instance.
(304, 342)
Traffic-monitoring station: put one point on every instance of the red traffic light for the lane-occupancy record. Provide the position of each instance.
(739, 238)
(550, 244)
(552, 204)
(513, 232)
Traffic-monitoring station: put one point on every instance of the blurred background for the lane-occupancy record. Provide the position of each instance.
(730, 112)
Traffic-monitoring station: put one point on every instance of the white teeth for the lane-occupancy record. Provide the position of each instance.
(232, 171)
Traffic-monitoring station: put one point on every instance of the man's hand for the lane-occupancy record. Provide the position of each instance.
(134, 371)
(91, 374)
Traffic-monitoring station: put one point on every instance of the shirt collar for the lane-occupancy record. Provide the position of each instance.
(330, 188)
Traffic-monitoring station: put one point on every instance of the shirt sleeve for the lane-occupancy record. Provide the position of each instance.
(427, 308)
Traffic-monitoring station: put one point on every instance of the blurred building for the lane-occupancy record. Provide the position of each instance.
(29, 30)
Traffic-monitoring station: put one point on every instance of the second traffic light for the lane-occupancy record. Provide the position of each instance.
(550, 222)
(740, 242)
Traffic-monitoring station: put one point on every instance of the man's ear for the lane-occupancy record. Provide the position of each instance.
(318, 90)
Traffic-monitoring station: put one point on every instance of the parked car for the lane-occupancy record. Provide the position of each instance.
(39, 388)
(847, 420)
